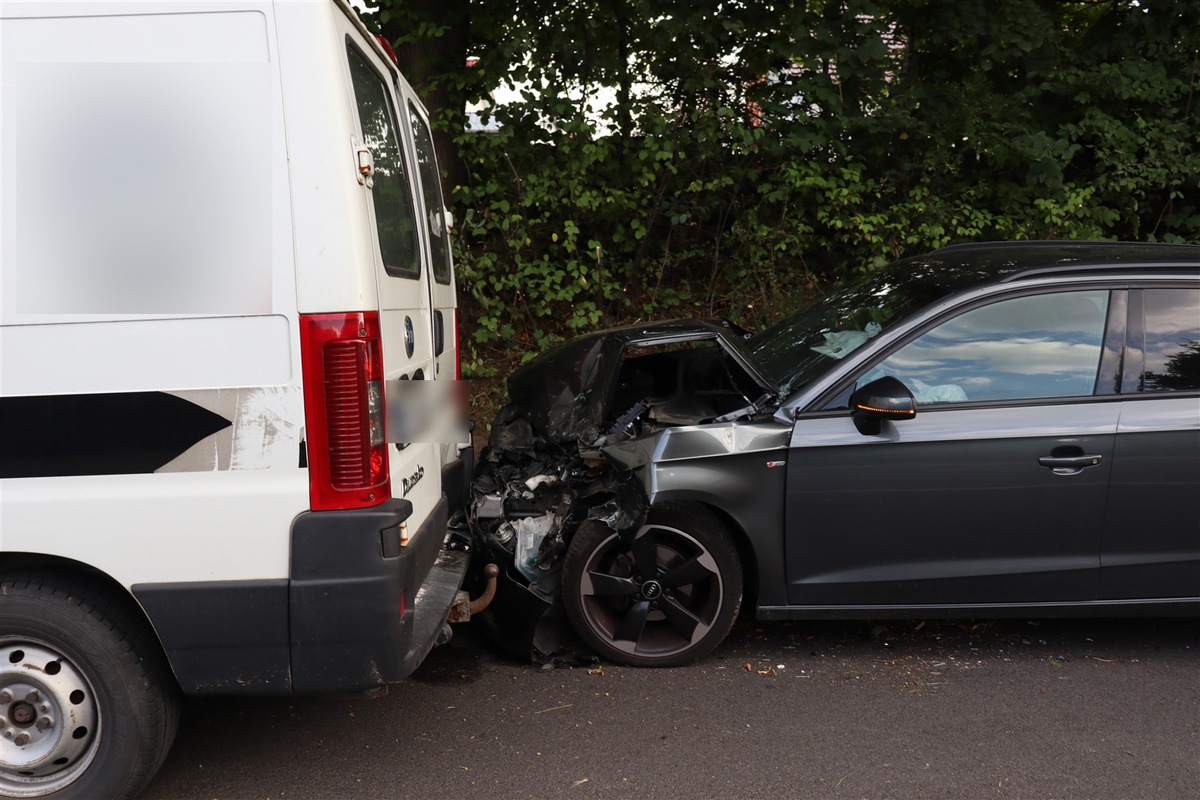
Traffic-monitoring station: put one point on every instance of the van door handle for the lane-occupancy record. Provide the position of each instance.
(439, 332)
(1069, 465)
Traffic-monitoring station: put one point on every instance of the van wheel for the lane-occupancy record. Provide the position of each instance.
(663, 597)
(87, 707)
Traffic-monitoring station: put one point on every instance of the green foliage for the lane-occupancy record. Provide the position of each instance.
(726, 157)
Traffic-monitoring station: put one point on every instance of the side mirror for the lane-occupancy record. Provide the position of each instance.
(884, 398)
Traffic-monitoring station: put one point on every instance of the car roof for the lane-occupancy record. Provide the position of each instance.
(963, 266)
(1014, 260)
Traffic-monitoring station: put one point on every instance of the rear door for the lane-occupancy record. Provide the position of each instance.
(436, 226)
(435, 229)
(401, 267)
(1151, 536)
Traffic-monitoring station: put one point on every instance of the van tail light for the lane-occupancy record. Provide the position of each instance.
(342, 362)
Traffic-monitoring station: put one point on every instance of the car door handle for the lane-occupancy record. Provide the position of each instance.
(1069, 465)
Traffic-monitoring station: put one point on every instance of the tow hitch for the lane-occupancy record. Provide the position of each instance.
(464, 606)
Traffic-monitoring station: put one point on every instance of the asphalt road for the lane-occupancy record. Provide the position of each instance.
(1052, 709)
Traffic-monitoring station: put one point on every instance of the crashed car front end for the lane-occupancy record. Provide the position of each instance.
(599, 432)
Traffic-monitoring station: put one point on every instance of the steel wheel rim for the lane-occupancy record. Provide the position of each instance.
(655, 614)
(49, 719)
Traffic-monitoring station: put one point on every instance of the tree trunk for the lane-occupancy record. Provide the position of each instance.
(431, 66)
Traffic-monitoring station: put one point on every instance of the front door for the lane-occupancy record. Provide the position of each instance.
(993, 493)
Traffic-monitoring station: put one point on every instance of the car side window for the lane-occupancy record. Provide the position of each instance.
(1172, 347)
(1046, 345)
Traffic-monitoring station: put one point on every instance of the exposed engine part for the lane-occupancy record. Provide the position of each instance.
(625, 425)
(504, 534)
(548, 467)
(531, 535)
(489, 506)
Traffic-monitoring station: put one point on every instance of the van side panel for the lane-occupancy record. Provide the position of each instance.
(179, 189)
(135, 155)
(147, 257)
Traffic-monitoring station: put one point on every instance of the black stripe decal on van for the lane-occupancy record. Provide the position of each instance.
(98, 434)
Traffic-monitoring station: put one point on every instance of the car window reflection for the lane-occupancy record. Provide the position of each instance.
(1172, 350)
(1025, 347)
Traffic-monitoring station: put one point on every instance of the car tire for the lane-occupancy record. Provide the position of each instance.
(662, 597)
(88, 707)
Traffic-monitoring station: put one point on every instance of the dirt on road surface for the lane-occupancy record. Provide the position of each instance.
(971, 709)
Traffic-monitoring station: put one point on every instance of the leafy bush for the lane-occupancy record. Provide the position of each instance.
(730, 158)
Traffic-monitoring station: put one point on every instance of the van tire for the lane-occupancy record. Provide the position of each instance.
(67, 646)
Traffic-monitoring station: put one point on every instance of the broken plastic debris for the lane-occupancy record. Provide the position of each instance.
(538, 480)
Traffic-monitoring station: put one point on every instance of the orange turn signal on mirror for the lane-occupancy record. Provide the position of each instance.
(907, 412)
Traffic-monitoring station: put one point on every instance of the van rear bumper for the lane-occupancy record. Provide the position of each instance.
(361, 604)
(359, 610)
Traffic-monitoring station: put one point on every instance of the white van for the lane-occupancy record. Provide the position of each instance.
(223, 236)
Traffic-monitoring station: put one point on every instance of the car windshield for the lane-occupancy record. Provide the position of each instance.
(807, 343)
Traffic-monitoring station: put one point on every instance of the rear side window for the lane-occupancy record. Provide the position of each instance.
(431, 190)
(1172, 349)
(395, 216)
(1021, 348)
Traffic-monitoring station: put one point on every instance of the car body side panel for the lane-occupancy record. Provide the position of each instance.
(1152, 531)
(993, 506)
(737, 468)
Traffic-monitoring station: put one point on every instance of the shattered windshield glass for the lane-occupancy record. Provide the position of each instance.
(804, 345)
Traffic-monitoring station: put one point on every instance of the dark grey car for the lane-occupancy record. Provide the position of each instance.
(993, 429)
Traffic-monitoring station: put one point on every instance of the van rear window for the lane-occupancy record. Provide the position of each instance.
(395, 216)
(431, 188)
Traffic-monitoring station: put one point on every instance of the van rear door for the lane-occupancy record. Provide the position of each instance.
(401, 266)
(437, 230)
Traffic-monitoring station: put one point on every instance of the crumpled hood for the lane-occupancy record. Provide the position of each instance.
(567, 392)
